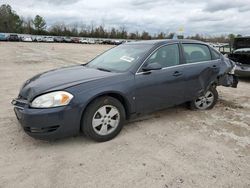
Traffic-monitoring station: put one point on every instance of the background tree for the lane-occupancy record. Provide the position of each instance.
(40, 24)
(161, 35)
(10, 22)
(145, 36)
(27, 26)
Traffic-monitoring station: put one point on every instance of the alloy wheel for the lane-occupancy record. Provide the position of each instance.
(105, 120)
(204, 102)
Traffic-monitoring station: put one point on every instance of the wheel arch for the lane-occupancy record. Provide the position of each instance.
(117, 95)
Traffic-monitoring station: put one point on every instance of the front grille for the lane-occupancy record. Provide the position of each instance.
(41, 130)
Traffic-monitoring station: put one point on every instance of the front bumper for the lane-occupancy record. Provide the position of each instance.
(47, 124)
(242, 70)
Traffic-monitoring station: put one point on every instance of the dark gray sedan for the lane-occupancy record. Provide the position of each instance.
(126, 81)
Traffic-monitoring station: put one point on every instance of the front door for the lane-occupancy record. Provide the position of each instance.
(161, 88)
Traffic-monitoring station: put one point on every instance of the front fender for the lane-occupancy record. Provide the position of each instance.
(87, 92)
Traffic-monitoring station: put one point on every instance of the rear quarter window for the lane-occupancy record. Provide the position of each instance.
(196, 53)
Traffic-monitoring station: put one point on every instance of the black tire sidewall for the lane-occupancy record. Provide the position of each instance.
(86, 125)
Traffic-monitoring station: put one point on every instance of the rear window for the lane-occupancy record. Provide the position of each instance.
(196, 53)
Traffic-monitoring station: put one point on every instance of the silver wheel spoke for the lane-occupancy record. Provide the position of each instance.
(204, 105)
(198, 102)
(113, 123)
(104, 129)
(103, 111)
(96, 122)
(210, 99)
(208, 94)
(112, 112)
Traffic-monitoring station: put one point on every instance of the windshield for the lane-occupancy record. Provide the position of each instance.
(120, 58)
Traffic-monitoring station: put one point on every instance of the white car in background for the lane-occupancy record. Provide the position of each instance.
(91, 41)
(27, 39)
(87, 41)
(83, 41)
(48, 39)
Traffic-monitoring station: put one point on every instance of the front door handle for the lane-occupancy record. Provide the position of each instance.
(177, 73)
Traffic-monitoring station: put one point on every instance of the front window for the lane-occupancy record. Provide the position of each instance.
(166, 56)
(120, 58)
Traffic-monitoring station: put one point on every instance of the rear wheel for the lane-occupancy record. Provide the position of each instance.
(103, 119)
(206, 101)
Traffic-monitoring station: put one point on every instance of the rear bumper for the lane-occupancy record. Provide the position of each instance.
(242, 70)
(49, 124)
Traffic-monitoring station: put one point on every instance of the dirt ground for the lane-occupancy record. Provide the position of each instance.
(172, 148)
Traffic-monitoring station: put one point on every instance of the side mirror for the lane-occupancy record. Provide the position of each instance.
(152, 66)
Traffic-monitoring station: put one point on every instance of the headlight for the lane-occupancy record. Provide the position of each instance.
(53, 99)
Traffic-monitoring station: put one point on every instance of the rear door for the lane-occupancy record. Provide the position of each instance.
(201, 68)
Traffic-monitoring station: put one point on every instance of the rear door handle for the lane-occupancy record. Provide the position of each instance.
(214, 66)
(177, 73)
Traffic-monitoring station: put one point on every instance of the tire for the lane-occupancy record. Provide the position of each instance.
(103, 119)
(205, 102)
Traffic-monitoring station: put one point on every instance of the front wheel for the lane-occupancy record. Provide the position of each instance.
(103, 119)
(206, 101)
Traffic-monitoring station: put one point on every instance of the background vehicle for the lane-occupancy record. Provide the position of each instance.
(107, 42)
(3, 37)
(38, 39)
(126, 81)
(48, 39)
(67, 39)
(26, 39)
(58, 39)
(240, 55)
(91, 41)
(98, 41)
(13, 37)
(75, 40)
(83, 41)
(117, 42)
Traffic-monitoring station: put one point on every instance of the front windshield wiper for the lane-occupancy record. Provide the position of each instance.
(103, 69)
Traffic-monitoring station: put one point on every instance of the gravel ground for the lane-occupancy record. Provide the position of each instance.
(171, 148)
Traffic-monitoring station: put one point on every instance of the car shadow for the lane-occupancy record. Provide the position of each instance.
(158, 114)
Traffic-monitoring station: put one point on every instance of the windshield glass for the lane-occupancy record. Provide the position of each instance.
(120, 58)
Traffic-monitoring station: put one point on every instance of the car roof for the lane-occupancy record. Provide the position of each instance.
(165, 41)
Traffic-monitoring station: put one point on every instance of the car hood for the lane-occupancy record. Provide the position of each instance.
(60, 79)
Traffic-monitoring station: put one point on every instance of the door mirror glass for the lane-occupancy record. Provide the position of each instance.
(152, 66)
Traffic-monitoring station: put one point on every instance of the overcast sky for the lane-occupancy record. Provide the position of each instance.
(208, 17)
